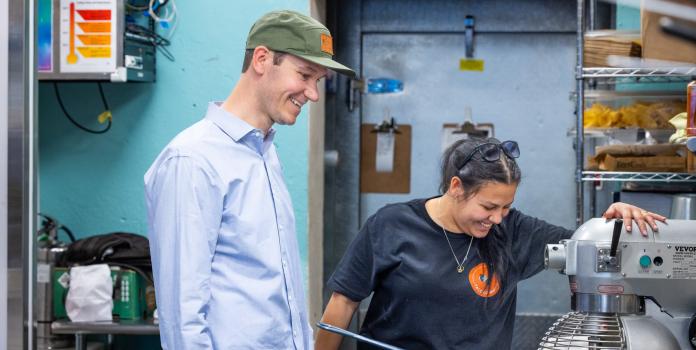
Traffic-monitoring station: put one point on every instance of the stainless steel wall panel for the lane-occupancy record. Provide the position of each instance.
(16, 337)
(448, 15)
(21, 142)
(4, 74)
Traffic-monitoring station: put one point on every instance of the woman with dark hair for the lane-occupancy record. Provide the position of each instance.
(444, 270)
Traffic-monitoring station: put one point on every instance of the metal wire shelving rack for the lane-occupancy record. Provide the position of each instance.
(637, 176)
(652, 74)
(610, 75)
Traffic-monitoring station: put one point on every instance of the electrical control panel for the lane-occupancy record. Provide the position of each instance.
(659, 260)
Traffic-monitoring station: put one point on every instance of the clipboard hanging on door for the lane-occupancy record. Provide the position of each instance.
(453, 132)
(385, 157)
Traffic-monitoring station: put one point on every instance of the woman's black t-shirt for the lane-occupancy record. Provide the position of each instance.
(420, 301)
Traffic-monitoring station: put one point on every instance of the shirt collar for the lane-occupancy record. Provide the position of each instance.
(233, 126)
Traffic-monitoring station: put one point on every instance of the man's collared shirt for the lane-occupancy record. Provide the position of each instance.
(222, 237)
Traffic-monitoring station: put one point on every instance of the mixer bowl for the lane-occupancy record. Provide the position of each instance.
(684, 206)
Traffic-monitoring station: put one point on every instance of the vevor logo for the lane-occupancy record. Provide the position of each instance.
(684, 248)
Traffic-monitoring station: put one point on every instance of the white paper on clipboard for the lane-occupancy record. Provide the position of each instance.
(384, 161)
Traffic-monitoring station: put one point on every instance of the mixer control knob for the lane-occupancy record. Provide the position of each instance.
(645, 261)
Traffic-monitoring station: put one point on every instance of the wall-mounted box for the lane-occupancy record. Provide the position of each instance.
(85, 40)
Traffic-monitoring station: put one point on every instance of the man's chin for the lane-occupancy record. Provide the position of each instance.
(287, 120)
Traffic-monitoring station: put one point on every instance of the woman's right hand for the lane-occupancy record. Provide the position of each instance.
(339, 311)
(630, 213)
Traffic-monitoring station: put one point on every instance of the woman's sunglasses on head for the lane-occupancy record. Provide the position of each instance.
(490, 152)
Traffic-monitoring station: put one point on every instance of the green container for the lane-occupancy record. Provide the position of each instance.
(128, 296)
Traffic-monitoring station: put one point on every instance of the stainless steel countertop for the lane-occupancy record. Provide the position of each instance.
(136, 327)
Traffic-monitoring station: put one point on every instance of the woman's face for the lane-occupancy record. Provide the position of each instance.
(475, 215)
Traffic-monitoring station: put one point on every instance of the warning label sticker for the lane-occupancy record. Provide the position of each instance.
(684, 262)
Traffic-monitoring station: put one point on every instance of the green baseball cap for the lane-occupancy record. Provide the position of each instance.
(297, 34)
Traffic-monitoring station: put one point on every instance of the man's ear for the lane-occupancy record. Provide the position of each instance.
(261, 58)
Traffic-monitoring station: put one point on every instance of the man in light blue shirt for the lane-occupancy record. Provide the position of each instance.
(221, 225)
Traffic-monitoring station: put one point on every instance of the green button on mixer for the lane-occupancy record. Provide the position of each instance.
(644, 261)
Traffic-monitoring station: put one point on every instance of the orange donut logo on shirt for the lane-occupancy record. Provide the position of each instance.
(478, 278)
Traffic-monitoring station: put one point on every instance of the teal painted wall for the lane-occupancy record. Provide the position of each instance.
(94, 183)
(627, 17)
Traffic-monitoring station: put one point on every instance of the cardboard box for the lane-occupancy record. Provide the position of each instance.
(650, 163)
(640, 158)
(600, 44)
(660, 45)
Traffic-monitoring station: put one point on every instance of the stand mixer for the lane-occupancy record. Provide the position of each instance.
(627, 291)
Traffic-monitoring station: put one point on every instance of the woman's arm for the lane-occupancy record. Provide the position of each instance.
(339, 311)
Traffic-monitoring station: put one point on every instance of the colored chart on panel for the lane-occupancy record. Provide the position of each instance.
(95, 27)
(95, 39)
(45, 35)
(72, 57)
(95, 51)
(95, 15)
(88, 33)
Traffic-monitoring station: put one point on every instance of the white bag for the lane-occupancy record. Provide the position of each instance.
(90, 293)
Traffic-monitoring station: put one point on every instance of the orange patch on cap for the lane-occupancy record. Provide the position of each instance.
(478, 276)
(327, 44)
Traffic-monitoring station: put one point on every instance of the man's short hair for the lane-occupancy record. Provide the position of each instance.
(249, 54)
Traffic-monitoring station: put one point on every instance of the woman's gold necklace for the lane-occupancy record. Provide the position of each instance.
(460, 266)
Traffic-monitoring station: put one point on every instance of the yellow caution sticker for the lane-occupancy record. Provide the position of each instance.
(471, 65)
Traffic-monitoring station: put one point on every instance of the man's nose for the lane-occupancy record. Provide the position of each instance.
(312, 92)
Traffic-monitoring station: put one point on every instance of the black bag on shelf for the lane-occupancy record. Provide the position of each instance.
(117, 248)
